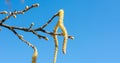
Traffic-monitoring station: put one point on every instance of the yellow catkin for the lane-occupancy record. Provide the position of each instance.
(56, 49)
(56, 43)
(35, 55)
(64, 31)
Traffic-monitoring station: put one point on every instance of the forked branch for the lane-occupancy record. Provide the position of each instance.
(35, 31)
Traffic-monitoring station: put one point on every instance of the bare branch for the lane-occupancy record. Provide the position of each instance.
(20, 12)
(25, 29)
(35, 31)
(35, 54)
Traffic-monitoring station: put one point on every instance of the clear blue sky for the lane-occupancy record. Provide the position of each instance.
(95, 24)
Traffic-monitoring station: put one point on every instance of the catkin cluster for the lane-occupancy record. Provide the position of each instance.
(60, 25)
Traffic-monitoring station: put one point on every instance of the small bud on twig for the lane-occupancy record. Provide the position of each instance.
(14, 16)
(32, 24)
(6, 17)
(46, 38)
(3, 12)
(35, 5)
(71, 37)
(26, 7)
(20, 36)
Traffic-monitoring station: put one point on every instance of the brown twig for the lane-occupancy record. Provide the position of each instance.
(18, 12)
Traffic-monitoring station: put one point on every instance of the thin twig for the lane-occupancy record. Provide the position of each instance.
(20, 12)
(49, 21)
(25, 29)
(32, 30)
(35, 54)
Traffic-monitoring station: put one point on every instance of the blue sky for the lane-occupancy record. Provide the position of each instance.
(94, 24)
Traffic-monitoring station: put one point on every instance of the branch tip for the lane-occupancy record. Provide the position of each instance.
(32, 23)
(35, 5)
(3, 12)
(71, 37)
(14, 16)
(26, 8)
(46, 38)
